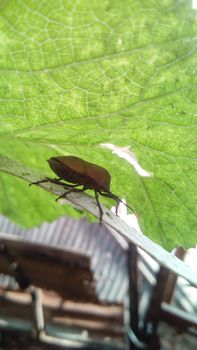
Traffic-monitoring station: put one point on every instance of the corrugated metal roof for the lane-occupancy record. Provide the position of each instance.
(109, 260)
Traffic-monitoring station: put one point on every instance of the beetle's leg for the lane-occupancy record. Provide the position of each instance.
(111, 195)
(99, 205)
(116, 209)
(54, 181)
(47, 179)
(71, 190)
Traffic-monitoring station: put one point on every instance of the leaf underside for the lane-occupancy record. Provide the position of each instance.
(81, 73)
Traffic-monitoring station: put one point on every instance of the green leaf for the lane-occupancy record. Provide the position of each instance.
(80, 73)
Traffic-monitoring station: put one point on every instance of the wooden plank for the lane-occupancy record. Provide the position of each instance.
(153, 313)
(172, 278)
(20, 305)
(133, 286)
(66, 272)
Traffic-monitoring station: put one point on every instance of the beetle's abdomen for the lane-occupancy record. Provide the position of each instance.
(64, 171)
(78, 171)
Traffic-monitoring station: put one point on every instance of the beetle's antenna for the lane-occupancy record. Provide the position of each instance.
(117, 199)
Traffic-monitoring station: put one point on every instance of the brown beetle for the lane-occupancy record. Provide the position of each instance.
(81, 173)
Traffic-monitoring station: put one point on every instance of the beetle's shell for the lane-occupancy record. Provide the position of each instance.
(80, 172)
